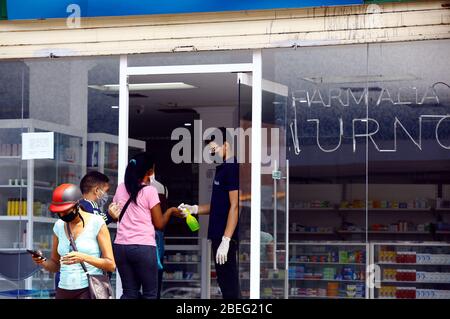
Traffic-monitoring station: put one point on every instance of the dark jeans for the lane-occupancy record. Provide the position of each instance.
(160, 277)
(137, 268)
(227, 274)
(72, 294)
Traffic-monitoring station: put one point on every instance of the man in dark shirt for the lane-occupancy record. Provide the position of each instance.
(224, 214)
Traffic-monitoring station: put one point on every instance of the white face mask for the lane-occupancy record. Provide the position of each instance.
(103, 199)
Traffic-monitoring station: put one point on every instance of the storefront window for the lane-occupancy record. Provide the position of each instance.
(408, 172)
(56, 96)
(367, 142)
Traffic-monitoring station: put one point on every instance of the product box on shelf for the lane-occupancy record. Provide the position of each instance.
(387, 292)
(441, 277)
(10, 149)
(16, 207)
(405, 275)
(405, 293)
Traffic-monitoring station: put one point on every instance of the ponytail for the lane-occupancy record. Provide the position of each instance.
(136, 170)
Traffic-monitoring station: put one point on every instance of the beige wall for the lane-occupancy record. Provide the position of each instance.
(228, 30)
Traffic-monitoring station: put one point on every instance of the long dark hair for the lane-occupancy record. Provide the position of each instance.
(136, 170)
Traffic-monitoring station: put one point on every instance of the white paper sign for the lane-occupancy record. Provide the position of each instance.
(37, 145)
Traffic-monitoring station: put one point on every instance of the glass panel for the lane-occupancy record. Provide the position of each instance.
(245, 200)
(60, 96)
(273, 193)
(409, 199)
(325, 145)
(14, 226)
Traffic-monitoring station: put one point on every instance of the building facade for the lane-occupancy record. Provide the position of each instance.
(355, 183)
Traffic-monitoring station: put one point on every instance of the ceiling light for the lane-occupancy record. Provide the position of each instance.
(144, 86)
(360, 78)
(115, 107)
(187, 124)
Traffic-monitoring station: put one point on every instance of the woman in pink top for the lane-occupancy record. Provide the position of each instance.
(135, 245)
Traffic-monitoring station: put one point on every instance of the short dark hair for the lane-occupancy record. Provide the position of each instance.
(220, 140)
(91, 180)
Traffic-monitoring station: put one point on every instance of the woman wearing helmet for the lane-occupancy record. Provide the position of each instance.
(92, 240)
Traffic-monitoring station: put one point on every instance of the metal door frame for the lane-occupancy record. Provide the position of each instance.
(255, 68)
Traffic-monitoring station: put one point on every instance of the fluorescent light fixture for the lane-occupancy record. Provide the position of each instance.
(144, 86)
(115, 107)
(187, 124)
(360, 78)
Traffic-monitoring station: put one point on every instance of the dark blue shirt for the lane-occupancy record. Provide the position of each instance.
(92, 207)
(226, 179)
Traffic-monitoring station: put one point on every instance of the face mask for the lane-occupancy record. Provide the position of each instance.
(215, 155)
(217, 158)
(103, 199)
(69, 217)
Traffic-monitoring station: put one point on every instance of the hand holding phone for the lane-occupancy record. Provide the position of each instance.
(37, 256)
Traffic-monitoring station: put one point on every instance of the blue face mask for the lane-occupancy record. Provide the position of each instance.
(103, 199)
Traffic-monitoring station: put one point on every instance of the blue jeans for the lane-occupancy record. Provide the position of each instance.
(138, 269)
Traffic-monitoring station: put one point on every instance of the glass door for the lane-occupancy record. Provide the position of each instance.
(274, 194)
(274, 234)
(172, 108)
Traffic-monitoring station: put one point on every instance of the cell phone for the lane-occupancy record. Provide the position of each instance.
(35, 253)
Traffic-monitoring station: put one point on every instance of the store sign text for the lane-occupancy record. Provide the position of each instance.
(350, 98)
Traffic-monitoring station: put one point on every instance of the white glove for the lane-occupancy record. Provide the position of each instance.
(222, 251)
(188, 209)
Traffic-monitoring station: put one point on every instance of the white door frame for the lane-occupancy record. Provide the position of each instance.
(256, 69)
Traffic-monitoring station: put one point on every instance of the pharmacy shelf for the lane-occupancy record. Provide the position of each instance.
(43, 279)
(384, 232)
(45, 188)
(60, 162)
(386, 209)
(323, 297)
(417, 298)
(263, 279)
(325, 243)
(311, 233)
(40, 219)
(410, 264)
(324, 263)
(371, 210)
(13, 186)
(14, 218)
(181, 262)
(413, 282)
(312, 209)
(180, 280)
(333, 280)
